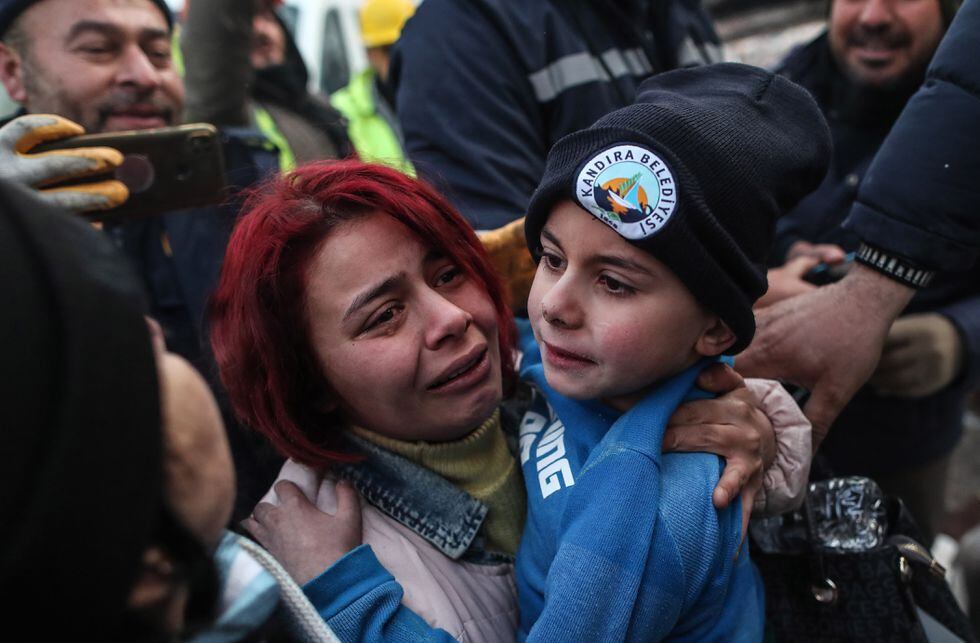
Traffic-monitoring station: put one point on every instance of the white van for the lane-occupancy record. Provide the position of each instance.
(329, 37)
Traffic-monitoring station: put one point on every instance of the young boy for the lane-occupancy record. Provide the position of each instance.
(652, 229)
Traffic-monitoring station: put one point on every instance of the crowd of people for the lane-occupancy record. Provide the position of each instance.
(473, 349)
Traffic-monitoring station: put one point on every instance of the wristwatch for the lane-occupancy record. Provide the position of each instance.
(894, 266)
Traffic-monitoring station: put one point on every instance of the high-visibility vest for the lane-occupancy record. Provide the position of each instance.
(372, 131)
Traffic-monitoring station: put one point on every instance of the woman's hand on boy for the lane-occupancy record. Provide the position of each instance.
(732, 426)
(305, 540)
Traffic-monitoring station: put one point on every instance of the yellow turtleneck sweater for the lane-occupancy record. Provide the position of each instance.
(481, 465)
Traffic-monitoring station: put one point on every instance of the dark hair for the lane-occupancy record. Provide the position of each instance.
(259, 326)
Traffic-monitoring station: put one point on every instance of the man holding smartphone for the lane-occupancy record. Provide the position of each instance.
(105, 74)
(107, 67)
(106, 64)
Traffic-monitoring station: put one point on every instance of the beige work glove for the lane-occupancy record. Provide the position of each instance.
(923, 353)
(39, 171)
(509, 255)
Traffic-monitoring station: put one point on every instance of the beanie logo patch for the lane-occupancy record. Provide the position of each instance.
(629, 188)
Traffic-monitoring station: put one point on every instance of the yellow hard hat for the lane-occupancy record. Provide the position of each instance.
(382, 20)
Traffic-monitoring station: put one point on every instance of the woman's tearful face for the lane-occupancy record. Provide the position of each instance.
(406, 339)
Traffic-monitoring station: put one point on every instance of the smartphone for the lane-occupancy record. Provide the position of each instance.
(165, 169)
(825, 273)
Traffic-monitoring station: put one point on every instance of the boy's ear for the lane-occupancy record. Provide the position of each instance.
(715, 339)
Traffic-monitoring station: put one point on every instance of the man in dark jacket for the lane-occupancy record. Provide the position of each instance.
(484, 88)
(915, 213)
(900, 429)
(107, 65)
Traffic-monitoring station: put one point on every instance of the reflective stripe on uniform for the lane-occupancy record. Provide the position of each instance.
(577, 69)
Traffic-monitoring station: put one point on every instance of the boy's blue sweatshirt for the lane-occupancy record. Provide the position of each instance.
(622, 542)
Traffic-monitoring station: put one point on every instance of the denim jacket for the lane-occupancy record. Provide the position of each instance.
(447, 517)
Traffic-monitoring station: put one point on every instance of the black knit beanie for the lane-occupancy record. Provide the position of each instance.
(10, 9)
(80, 432)
(696, 172)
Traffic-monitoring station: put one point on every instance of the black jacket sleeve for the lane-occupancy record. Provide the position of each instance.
(921, 196)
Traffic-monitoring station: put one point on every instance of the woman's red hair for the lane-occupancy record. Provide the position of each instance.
(259, 325)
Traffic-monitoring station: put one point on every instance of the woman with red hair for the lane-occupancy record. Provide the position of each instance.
(359, 326)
